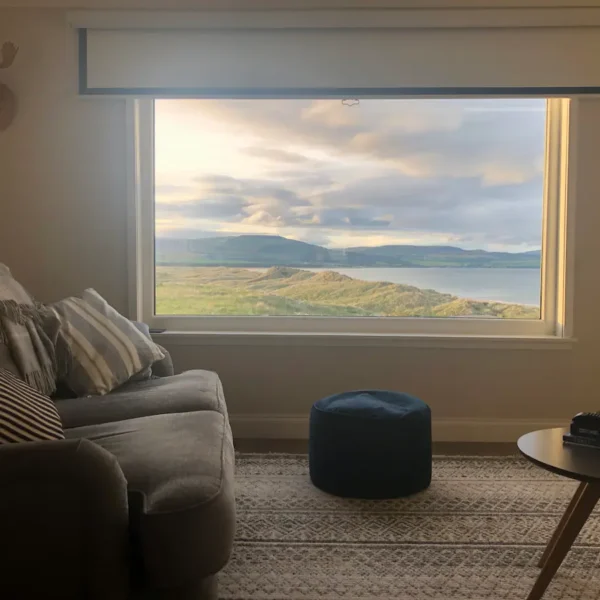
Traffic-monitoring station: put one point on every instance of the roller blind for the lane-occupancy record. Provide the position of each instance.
(392, 56)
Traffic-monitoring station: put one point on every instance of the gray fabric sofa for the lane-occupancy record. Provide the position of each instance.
(136, 503)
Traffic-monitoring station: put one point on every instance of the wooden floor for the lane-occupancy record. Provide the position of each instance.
(447, 448)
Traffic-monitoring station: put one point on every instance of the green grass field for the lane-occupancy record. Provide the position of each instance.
(286, 291)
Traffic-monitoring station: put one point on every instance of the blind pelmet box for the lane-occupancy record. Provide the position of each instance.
(295, 59)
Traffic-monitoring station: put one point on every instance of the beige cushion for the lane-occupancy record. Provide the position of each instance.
(104, 348)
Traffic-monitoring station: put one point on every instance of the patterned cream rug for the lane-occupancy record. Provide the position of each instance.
(477, 533)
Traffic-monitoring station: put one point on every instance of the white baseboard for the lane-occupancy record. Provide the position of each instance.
(272, 426)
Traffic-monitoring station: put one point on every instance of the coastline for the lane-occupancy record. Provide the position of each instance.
(468, 296)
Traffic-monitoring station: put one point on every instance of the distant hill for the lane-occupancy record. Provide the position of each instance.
(442, 256)
(273, 250)
(243, 250)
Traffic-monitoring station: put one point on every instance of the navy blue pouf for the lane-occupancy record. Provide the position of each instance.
(370, 444)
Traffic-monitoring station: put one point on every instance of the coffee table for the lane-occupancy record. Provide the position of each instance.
(545, 448)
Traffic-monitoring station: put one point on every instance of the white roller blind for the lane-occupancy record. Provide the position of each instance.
(348, 60)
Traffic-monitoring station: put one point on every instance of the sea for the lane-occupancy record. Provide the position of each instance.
(519, 286)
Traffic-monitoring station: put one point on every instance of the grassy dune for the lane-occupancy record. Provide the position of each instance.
(288, 291)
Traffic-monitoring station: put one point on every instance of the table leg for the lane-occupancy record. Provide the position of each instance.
(579, 514)
(562, 524)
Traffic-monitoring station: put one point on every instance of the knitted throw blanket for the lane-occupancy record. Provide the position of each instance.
(29, 330)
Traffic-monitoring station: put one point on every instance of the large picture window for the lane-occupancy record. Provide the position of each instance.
(373, 214)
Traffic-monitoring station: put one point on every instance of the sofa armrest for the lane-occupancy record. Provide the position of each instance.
(164, 367)
(64, 520)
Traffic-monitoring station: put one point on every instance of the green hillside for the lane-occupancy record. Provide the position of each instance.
(272, 250)
(289, 291)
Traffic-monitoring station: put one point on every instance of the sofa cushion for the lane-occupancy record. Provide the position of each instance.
(30, 332)
(26, 415)
(179, 472)
(144, 328)
(164, 367)
(102, 348)
(6, 359)
(189, 391)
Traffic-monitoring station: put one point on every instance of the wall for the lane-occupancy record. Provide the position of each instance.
(63, 170)
(63, 228)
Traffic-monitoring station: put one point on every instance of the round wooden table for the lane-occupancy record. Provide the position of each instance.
(545, 448)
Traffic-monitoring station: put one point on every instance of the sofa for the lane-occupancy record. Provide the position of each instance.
(136, 503)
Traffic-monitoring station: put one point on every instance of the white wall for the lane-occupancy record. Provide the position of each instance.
(63, 228)
(62, 168)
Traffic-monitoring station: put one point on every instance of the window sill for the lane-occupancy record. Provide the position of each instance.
(235, 338)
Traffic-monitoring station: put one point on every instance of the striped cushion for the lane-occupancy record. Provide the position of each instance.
(26, 415)
(105, 348)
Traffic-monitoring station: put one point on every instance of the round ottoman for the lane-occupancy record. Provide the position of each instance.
(370, 444)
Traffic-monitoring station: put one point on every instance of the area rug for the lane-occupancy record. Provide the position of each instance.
(476, 534)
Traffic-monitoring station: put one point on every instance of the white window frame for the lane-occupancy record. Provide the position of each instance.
(557, 294)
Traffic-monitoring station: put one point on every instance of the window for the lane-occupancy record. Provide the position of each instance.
(380, 215)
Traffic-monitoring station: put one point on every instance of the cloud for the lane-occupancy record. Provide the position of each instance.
(327, 113)
(398, 191)
(223, 207)
(266, 190)
(225, 198)
(260, 216)
(462, 209)
(465, 171)
(303, 179)
(166, 189)
(499, 149)
(347, 218)
(276, 155)
(415, 116)
(500, 141)
(180, 230)
(311, 236)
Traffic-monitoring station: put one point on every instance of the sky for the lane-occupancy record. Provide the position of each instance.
(460, 172)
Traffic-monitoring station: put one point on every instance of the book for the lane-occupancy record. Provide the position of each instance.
(581, 440)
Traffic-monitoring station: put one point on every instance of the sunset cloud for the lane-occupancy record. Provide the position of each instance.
(276, 155)
(466, 172)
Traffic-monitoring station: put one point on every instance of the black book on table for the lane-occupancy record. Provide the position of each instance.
(581, 440)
